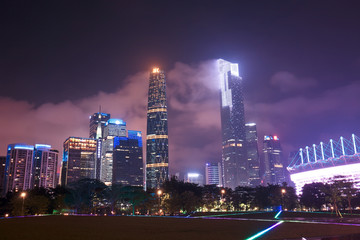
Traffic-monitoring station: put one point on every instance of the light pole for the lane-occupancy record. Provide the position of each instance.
(23, 195)
(159, 192)
(283, 191)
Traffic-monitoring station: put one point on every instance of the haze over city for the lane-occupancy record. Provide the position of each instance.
(300, 63)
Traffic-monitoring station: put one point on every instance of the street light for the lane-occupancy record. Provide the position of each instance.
(159, 192)
(283, 191)
(23, 195)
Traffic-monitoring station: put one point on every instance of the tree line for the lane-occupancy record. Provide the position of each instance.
(90, 196)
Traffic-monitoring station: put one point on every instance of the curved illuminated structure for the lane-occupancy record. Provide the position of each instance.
(321, 163)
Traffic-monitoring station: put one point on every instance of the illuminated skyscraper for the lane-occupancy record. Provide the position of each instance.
(18, 168)
(157, 146)
(97, 124)
(78, 159)
(113, 128)
(96, 120)
(128, 160)
(273, 163)
(235, 165)
(45, 166)
(252, 154)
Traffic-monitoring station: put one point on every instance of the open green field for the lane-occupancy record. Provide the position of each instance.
(122, 227)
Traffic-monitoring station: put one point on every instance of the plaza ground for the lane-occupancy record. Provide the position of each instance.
(222, 226)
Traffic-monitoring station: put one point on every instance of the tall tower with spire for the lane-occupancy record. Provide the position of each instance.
(157, 145)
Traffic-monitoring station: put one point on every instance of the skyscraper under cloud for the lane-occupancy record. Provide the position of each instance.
(157, 146)
(234, 158)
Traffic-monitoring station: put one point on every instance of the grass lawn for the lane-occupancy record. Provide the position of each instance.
(122, 227)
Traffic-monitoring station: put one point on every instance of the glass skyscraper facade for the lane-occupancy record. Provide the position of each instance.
(78, 159)
(97, 119)
(273, 163)
(113, 128)
(128, 160)
(157, 145)
(252, 154)
(234, 160)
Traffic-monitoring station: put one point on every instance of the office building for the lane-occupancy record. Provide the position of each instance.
(127, 166)
(113, 128)
(213, 174)
(234, 160)
(18, 168)
(195, 178)
(97, 120)
(157, 145)
(252, 154)
(45, 166)
(78, 159)
(97, 123)
(273, 162)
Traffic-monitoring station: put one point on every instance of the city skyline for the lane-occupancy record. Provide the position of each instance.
(295, 88)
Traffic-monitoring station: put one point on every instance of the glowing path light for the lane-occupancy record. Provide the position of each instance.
(278, 214)
(264, 231)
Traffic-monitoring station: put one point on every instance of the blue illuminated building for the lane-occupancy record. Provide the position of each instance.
(157, 145)
(113, 128)
(252, 153)
(18, 167)
(45, 165)
(128, 160)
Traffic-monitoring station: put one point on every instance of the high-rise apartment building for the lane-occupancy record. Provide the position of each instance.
(113, 128)
(96, 120)
(234, 160)
(128, 160)
(78, 159)
(252, 154)
(213, 174)
(157, 145)
(18, 168)
(45, 166)
(273, 163)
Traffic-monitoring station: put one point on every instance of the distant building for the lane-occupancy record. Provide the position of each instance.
(2, 172)
(45, 166)
(98, 119)
(194, 178)
(18, 168)
(213, 174)
(127, 166)
(157, 145)
(234, 160)
(273, 163)
(113, 128)
(252, 154)
(78, 159)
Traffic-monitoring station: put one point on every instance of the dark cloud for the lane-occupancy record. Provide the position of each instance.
(288, 82)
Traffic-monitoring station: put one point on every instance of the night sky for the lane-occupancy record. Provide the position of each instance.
(60, 60)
